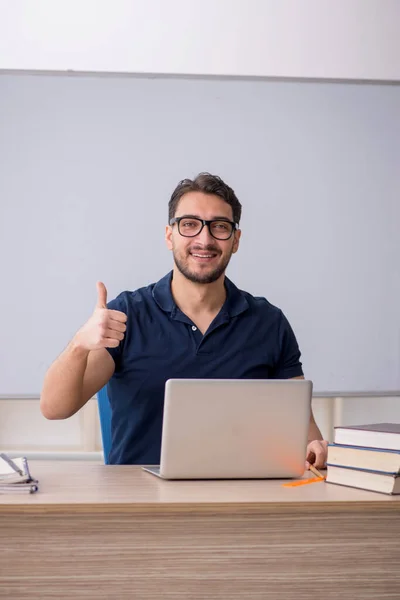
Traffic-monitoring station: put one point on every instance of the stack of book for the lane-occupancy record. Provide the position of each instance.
(366, 457)
(15, 476)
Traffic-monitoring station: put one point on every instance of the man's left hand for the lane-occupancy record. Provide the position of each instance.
(317, 452)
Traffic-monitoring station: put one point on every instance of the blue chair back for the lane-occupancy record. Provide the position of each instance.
(105, 421)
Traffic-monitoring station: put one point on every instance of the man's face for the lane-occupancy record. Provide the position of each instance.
(202, 259)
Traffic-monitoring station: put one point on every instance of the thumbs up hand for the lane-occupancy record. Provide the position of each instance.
(105, 328)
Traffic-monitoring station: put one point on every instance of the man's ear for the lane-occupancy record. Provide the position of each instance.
(237, 235)
(168, 237)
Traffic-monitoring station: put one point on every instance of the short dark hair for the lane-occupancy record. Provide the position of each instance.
(208, 184)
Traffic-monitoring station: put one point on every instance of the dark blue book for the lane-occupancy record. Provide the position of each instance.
(373, 481)
(359, 457)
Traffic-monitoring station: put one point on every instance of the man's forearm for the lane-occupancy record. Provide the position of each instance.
(313, 431)
(62, 387)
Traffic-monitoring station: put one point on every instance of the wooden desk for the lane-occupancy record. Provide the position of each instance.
(116, 532)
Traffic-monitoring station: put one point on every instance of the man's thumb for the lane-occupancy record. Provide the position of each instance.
(101, 295)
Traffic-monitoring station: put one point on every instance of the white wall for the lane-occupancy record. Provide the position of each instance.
(344, 39)
(24, 431)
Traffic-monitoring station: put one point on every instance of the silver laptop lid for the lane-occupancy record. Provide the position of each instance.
(244, 428)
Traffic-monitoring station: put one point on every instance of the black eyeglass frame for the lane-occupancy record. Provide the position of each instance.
(204, 222)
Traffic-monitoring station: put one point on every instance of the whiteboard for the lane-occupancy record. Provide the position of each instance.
(86, 160)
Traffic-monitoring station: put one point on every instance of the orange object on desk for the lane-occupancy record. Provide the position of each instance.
(303, 481)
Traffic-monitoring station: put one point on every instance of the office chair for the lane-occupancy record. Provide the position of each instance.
(105, 421)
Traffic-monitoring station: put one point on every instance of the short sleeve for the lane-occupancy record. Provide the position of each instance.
(119, 303)
(288, 364)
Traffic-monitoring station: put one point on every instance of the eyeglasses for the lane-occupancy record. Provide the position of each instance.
(220, 229)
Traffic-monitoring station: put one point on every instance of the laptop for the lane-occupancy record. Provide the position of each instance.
(234, 429)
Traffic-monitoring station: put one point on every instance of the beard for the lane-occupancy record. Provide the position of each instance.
(199, 277)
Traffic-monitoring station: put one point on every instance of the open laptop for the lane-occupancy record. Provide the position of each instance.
(234, 429)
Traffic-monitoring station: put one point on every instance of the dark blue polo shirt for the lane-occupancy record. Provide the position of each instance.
(249, 338)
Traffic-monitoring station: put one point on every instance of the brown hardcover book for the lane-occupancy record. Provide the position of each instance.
(376, 435)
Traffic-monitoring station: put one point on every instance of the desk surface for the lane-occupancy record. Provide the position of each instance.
(91, 487)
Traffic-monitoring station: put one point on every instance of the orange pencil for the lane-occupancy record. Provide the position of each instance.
(316, 472)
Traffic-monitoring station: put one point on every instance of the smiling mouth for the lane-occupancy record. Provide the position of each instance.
(197, 255)
(203, 257)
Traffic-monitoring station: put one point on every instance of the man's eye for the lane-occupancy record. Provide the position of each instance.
(222, 226)
(188, 224)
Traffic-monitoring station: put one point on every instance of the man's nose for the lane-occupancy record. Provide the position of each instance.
(205, 235)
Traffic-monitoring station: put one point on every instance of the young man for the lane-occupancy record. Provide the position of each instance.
(192, 323)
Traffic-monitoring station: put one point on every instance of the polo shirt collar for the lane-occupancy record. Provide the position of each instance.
(162, 293)
(235, 302)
